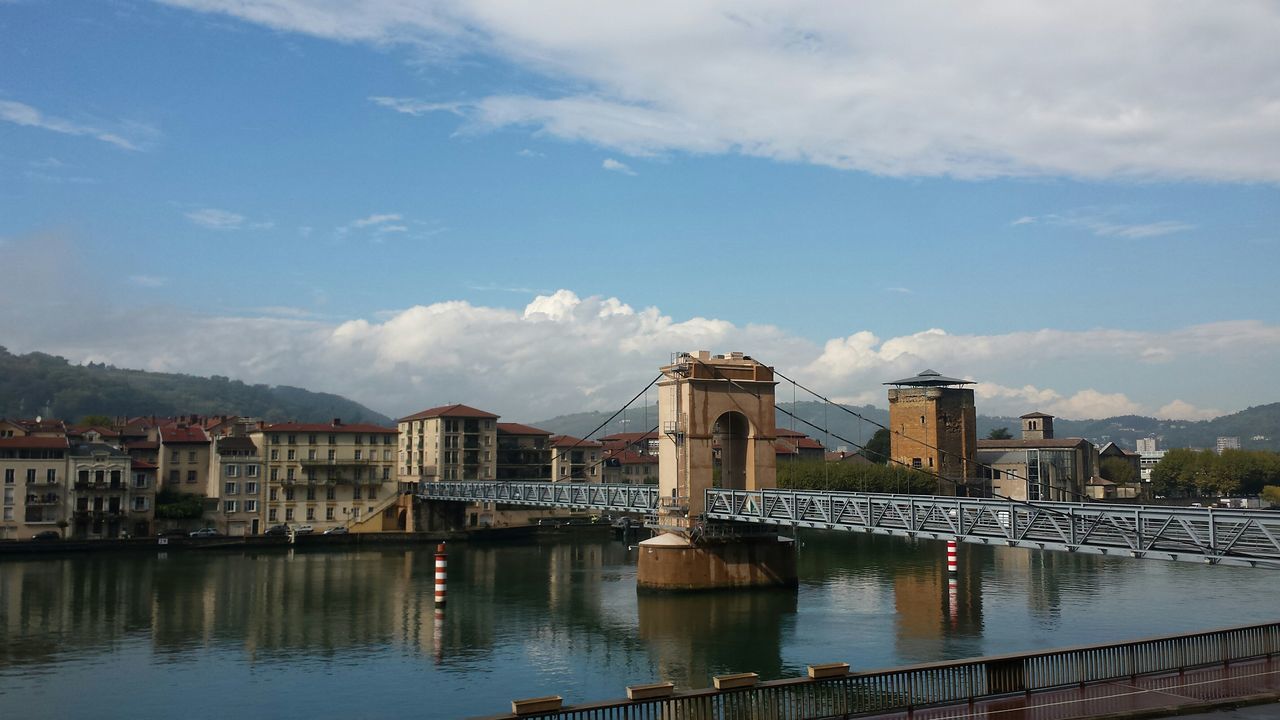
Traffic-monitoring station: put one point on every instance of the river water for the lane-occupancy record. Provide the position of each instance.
(353, 634)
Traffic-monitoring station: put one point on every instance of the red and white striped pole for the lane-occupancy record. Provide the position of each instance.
(952, 565)
(441, 565)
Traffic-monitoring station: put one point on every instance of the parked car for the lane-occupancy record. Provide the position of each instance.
(304, 530)
(173, 532)
(47, 535)
(277, 530)
(339, 530)
(205, 533)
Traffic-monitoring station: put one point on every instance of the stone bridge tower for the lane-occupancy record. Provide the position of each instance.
(718, 430)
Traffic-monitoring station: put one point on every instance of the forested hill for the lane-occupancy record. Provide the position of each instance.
(1257, 427)
(40, 384)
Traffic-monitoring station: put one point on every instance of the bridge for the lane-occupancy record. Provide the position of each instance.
(1214, 536)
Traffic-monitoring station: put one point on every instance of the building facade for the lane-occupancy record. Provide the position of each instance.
(184, 459)
(33, 489)
(1038, 466)
(576, 460)
(450, 442)
(238, 465)
(100, 490)
(933, 427)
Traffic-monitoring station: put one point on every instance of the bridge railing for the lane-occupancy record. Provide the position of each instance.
(941, 683)
(1234, 537)
(577, 495)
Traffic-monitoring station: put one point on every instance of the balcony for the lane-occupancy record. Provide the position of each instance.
(339, 462)
(43, 500)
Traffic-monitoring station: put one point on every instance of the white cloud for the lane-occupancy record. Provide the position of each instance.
(27, 116)
(1103, 225)
(526, 152)
(216, 219)
(1179, 410)
(376, 219)
(148, 281)
(614, 166)
(995, 399)
(1091, 89)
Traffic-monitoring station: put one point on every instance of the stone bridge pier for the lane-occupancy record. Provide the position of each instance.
(717, 430)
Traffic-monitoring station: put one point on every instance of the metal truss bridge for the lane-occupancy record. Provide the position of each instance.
(1248, 538)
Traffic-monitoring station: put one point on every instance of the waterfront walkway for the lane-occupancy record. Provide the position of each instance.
(1207, 693)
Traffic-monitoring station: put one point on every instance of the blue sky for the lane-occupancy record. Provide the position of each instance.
(1076, 206)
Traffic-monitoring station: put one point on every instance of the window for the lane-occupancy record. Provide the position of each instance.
(275, 474)
(328, 513)
(175, 477)
(9, 474)
(228, 506)
(251, 488)
(140, 480)
(293, 454)
(311, 492)
(51, 476)
(359, 474)
(311, 439)
(288, 494)
(251, 506)
(386, 473)
(288, 514)
(31, 475)
(191, 456)
(275, 454)
(386, 454)
(359, 439)
(329, 493)
(355, 513)
(921, 419)
(373, 492)
(359, 454)
(288, 474)
(141, 503)
(233, 470)
(8, 513)
(311, 514)
(930, 462)
(915, 462)
(230, 488)
(332, 455)
(355, 492)
(251, 471)
(174, 457)
(191, 476)
(271, 515)
(273, 494)
(311, 454)
(565, 471)
(293, 440)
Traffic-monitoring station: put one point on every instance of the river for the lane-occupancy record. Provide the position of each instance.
(353, 634)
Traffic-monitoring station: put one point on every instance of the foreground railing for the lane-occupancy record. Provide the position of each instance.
(1229, 537)
(576, 495)
(932, 684)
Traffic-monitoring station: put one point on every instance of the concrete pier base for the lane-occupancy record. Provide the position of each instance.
(670, 562)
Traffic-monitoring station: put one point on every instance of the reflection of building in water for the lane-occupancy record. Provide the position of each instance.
(1045, 572)
(692, 637)
(923, 598)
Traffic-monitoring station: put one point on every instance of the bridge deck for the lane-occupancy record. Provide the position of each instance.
(1208, 535)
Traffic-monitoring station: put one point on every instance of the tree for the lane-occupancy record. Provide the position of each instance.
(1117, 470)
(877, 448)
(1271, 494)
(1000, 433)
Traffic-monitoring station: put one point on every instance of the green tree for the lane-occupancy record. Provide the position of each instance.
(877, 448)
(1000, 433)
(1271, 494)
(1117, 470)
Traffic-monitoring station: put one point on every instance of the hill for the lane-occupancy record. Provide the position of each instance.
(41, 384)
(1257, 427)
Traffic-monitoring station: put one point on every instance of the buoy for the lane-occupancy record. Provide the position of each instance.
(952, 564)
(441, 565)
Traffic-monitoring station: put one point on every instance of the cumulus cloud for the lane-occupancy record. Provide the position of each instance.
(1083, 404)
(28, 116)
(1180, 410)
(900, 89)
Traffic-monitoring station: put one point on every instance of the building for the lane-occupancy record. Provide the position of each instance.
(34, 486)
(1226, 443)
(184, 459)
(1146, 445)
(933, 427)
(325, 474)
(1038, 466)
(793, 445)
(1121, 490)
(142, 497)
(630, 458)
(450, 442)
(238, 465)
(576, 460)
(100, 492)
(524, 452)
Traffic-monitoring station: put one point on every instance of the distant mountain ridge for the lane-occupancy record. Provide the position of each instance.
(41, 384)
(1257, 427)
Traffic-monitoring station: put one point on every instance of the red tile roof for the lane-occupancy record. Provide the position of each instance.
(569, 441)
(630, 457)
(518, 429)
(330, 428)
(137, 464)
(183, 435)
(456, 410)
(31, 442)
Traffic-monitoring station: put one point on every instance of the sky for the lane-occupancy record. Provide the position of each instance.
(529, 206)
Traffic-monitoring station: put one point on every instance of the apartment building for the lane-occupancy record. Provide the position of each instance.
(576, 460)
(524, 452)
(142, 496)
(326, 475)
(33, 493)
(238, 467)
(630, 458)
(450, 442)
(184, 459)
(100, 491)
